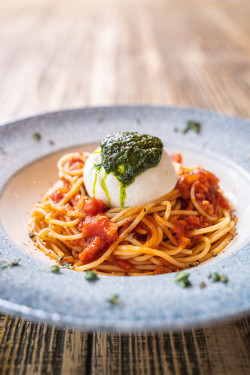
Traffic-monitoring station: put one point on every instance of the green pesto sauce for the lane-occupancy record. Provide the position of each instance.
(122, 194)
(129, 154)
(104, 187)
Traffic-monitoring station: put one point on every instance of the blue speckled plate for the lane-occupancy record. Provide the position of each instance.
(146, 303)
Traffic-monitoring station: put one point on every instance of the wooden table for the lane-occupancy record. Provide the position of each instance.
(64, 54)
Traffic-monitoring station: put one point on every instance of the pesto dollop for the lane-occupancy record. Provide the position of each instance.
(129, 154)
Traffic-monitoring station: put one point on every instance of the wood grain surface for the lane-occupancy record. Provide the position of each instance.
(71, 53)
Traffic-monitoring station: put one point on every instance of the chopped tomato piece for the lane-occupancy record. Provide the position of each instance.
(92, 251)
(93, 206)
(98, 233)
(100, 226)
(126, 265)
(57, 195)
(68, 259)
(177, 158)
(197, 222)
(206, 190)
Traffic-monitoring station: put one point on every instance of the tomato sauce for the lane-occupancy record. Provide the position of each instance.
(98, 234)
(206, 187)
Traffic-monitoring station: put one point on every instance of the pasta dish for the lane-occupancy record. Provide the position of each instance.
(180, 228)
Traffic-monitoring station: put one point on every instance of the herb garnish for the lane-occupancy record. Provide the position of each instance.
(91, 276)
(5, 264)
(215, 276)
(182, 279)
(37, 136)
(192, 125)
(114, 299)
(67, 265)
(54, 269)
(59, 259)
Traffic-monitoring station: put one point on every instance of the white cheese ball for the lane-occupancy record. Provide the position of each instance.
(148, 186)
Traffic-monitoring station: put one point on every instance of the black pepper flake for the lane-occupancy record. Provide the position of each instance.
(202, 285)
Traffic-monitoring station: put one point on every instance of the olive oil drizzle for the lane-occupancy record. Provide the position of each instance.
(104, 187)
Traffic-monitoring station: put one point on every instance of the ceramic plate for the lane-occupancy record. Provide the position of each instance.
(148, 303)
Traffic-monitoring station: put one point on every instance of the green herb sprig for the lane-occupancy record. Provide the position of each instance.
(217, 277)
(37, 136)
(67, 265)
(91, 276)
(192, 125)
(182, 279)
(54, 269)
(114, 299)
(5, 264)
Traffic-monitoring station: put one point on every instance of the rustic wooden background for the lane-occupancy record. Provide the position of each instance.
(70, 53)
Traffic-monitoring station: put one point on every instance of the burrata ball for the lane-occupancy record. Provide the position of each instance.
(148, 186)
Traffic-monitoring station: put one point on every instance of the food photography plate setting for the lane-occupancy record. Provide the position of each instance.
(35, 287)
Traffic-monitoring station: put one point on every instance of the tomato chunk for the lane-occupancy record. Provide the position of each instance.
(206, 189)
(92, 251)
(93, 206)
(100, 226)
(57, 195)
(125, 264)
(98, 233)
(177, 158)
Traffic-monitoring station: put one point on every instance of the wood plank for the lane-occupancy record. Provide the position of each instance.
(28, 348)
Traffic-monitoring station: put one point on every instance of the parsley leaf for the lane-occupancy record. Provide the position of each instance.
(91, 276)
(37, 136)
(67, 265)
(192, 125)
(182, 279)
(59, 259)
(5, 264)
(215, 276)
(114, 299)
(54, 269)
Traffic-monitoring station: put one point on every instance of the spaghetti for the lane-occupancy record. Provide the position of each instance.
(189, 225)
